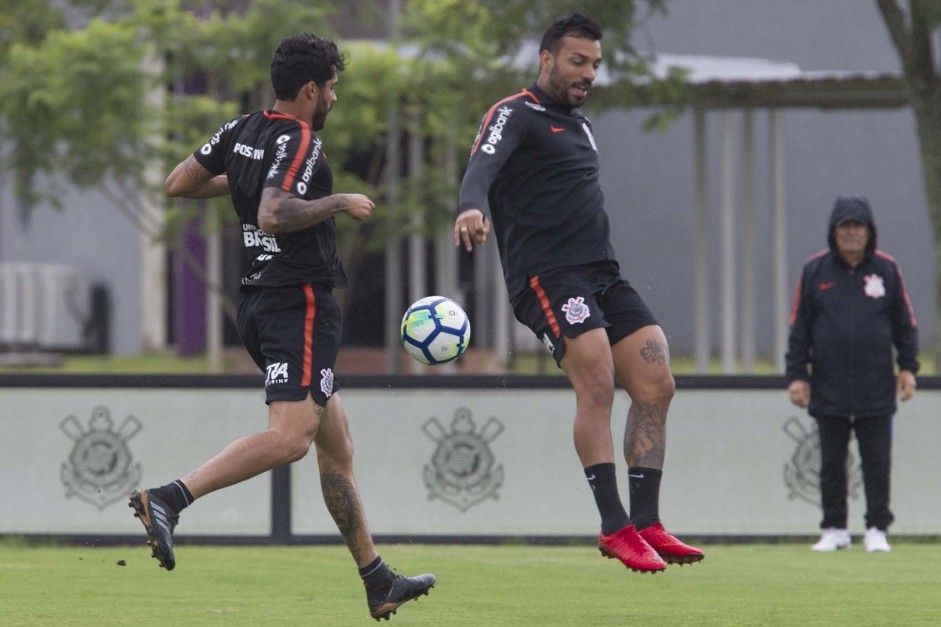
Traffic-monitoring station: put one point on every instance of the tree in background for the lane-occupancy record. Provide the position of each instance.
(101, 94)
(912, 34)
(76, 90)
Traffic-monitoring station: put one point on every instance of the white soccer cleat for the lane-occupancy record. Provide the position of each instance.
(876, 541)
(833, 540)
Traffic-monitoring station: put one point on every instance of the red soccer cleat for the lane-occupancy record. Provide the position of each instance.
(670, 549)
(627, 545)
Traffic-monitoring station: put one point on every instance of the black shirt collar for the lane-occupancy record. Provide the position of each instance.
(548, 101)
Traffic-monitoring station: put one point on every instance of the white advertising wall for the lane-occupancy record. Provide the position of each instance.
(448, 462)
(739, 462)
(70, 458)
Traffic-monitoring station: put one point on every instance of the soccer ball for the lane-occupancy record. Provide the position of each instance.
(435, 330)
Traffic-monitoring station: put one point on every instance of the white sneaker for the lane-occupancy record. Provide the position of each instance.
(834, 539)
(875, 541)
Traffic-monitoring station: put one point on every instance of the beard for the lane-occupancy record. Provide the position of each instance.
(561, 90)
(320, 115)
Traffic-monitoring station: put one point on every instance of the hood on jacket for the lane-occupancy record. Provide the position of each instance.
(854, 208)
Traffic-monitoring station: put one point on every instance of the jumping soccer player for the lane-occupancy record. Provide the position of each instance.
(536, 164)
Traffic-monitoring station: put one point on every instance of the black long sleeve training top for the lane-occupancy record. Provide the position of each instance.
(271, 149)
(535, 163)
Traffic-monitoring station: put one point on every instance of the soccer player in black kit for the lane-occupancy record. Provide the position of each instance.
(535, 164)
(274, 167)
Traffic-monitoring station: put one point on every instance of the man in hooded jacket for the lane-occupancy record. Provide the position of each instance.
(850, 309)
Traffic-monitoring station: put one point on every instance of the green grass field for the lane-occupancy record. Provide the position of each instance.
(739, 584)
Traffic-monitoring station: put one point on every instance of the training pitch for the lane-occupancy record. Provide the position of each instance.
(515, 585)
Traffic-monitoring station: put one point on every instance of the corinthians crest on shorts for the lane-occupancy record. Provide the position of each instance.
(100, 469)
(462, 471)
(576, 311)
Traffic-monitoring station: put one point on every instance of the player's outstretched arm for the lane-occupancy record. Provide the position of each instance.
(189, 179)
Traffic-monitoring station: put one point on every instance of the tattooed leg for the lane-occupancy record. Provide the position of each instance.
(340, 493)
(342, 499)
(645, 435)
(653, 352)
(642, 367)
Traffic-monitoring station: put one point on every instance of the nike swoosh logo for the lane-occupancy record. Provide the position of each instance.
(591, 478)
(636, 476)
(556, 129)
(825, 286)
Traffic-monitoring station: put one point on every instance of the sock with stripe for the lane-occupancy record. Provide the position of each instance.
(644, 484)
(376, 574)
(603, 481)
(175, 494)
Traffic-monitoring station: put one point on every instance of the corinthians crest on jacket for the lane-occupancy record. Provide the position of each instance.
(875, 286)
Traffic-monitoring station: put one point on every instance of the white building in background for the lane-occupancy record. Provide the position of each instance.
(650, 179)
(679, 223)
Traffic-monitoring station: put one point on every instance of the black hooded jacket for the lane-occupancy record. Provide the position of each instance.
(845, 322)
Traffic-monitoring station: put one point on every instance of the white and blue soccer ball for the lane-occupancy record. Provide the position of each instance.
(435, 330)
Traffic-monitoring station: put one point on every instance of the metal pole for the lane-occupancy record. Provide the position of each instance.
(214, 288)
(779, 245)
(393, 254)
(727, 246)
(747, 290)
(417, 251)
(701, 248)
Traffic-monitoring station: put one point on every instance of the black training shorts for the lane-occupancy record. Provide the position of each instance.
(293, 334)
(571, 301)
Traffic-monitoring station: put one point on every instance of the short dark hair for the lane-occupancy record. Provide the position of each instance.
(574, 25)
(300, 59)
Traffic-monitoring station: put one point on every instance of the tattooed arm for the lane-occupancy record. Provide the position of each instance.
(191, 180)
(282, 212)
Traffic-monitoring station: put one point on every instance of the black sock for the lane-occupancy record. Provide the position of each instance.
(644, 486)
(175, 494)
(604, 486)
(376, 574)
